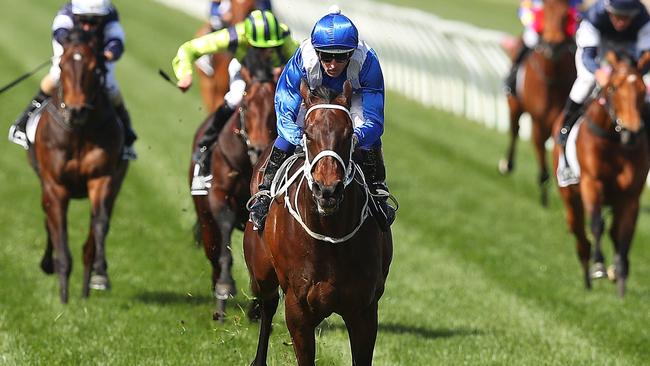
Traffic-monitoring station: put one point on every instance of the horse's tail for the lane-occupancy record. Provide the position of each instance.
(196, 230)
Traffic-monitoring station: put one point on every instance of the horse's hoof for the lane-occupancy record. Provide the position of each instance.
(505, 167)
(47, 265)
(100, 282)
(218, 316)
(598, 271)
(611, 273)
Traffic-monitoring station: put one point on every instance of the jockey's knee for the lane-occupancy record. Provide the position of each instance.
(48, 84)
(236, 93)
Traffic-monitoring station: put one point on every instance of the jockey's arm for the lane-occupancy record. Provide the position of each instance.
(372, 100)
(215, 42)
(113, 40)
(61, 26)
(288, 100)
(643, 45)
(290, 45)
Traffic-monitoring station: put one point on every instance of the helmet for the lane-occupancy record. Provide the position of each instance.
(91, 7)
(623, 7)
(263, 30)
(334, 33)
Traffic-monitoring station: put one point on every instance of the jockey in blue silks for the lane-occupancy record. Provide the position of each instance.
(333, 55)
(607, 24)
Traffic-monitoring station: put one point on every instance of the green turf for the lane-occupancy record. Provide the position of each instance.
(482, 275)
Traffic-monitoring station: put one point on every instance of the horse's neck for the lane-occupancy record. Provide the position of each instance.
(597, 114)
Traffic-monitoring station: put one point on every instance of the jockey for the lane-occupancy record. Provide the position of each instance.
(91, 15)
(607, 24)
(531, 15)
(333, 55)
(236, 40)
(220, 12)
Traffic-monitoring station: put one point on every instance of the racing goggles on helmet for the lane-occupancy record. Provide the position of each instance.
(339, 57)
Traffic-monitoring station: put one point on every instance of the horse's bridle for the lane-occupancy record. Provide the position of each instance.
(243, 134)
(624, 135)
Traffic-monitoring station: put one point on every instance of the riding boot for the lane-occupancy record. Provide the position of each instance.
(374, 170)
(260, 206)
(128, 153)
(202, 156)
(571, 113)
(510, 83)
(17, 133)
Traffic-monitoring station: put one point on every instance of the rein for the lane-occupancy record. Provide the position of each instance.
(616, 130)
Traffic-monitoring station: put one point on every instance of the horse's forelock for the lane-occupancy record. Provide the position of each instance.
(259, 68)
(79, 36)
(324, 93)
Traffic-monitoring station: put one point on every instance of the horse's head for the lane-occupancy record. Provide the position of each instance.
(554, 37)
(624, 95)
(328, 145)
(257, 118)
(81, 75)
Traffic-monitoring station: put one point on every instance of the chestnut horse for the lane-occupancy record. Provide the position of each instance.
(76, 154)
(318, 244)
(548, 74)
(242, 140)
(214, 87)
(612, 151)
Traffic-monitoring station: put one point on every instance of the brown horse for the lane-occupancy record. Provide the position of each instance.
(215, 86)
(243, 139)
(612, 151)
(548, 74)
(317, 244)
(76, 154)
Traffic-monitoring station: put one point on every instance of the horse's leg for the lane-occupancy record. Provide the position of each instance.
(47, 264)
(576, 221)
(101, 196)
(268, 308)
(302, 325)
(539, 141)
(55, 201)
(211, 241)
(506, 165)
(362, 330)
(623, 226)
(225, 218)
(591, 195)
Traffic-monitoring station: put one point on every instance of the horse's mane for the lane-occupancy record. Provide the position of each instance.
(259, 68)
(323, 92)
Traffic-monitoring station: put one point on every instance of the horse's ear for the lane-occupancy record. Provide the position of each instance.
(245, 75)
(644, 61)
(304, 92)
(611, 58)
(347, 92)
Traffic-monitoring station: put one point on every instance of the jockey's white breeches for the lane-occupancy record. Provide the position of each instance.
(585, 80)
(110, 84)
(237, 85)
(530, 37)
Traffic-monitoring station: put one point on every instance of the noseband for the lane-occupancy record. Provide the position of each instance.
(621, 133)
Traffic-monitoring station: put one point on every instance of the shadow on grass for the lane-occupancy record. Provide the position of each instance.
(427, 333)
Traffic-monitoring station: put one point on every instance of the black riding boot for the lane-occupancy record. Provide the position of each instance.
(128, 153)
(571, 113)
(17, 132)
(260, 207)
(373, 168)
(221, 116)
(511, 80)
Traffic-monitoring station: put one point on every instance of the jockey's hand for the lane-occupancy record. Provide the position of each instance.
(184, 83)
(108, 55)
(602, 76)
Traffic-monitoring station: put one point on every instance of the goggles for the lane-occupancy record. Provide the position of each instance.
(338, 57)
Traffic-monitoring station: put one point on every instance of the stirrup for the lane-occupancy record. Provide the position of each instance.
(200, 185)
(255, 204)
(128, 153)
(18, 137)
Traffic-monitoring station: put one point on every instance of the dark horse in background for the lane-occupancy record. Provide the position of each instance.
(548, 74)
(77, 154)
(214, 87)
(612, 151)
(319, 245)
(243, 139)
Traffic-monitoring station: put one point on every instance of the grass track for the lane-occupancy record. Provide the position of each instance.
(481, 274)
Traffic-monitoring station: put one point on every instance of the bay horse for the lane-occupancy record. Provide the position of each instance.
(612, 152)
(548, 74)
(243, 139)
(317, 244)
(214, 87)
(77, 154)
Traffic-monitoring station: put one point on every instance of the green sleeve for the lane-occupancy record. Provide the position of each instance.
(290, 45)
(190, 51)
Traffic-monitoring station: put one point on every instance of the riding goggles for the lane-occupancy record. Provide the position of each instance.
(329, 57)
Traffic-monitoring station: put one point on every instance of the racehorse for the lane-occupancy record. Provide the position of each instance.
(77, 154)
(548, 74)
(612, 152)
(243, 139)
(317, 244)
(216, 85)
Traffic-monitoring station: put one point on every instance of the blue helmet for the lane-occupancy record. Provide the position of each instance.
(623, 7)
(334, 33)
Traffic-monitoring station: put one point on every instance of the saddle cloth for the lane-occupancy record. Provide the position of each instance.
(32, 122)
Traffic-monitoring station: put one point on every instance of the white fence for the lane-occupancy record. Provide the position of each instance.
(450, 65)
